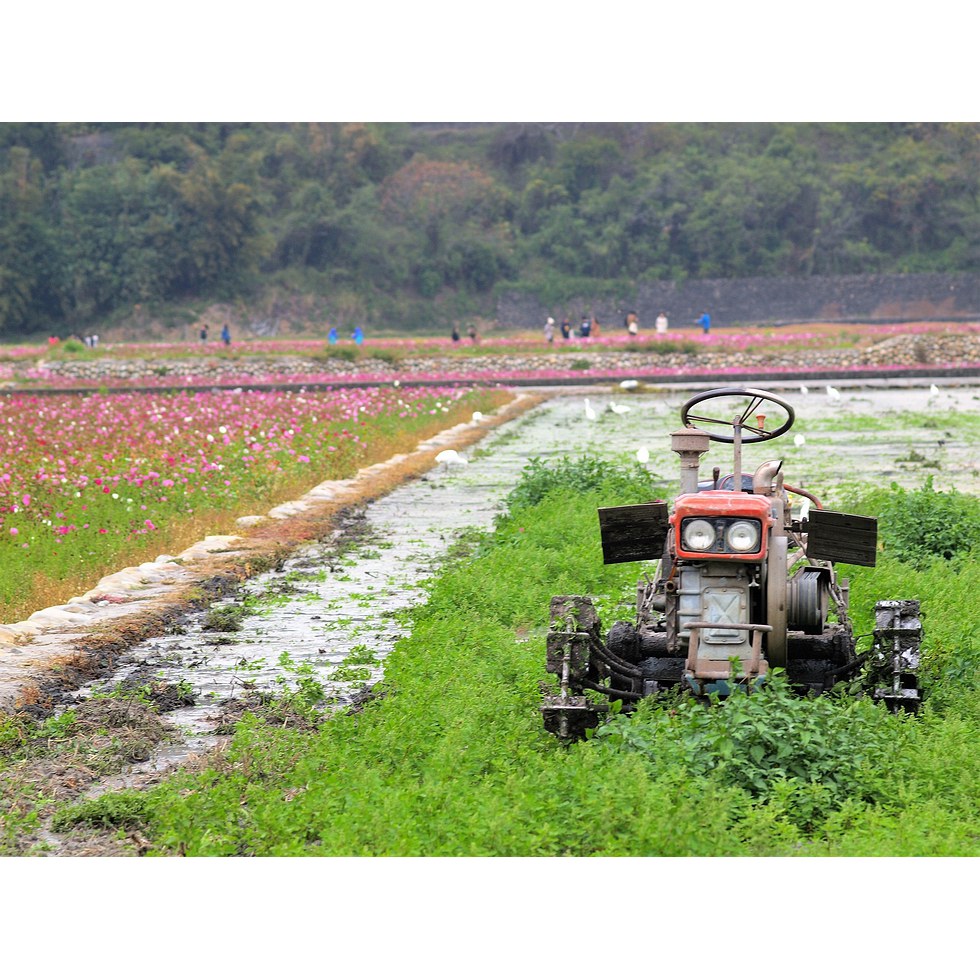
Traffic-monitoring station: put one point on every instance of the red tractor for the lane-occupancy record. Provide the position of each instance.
(742, 585)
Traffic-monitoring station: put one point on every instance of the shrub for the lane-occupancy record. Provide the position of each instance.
(806, 755)
(580, 475)
(917, 526)
(331, 353)
(391, 357)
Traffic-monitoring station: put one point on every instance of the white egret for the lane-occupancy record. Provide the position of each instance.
(643, 455)
(833, 394)
(618, 409)
(449, 457)
(589, 411)
(933, 390)
(805, 510)
(804, 390)
(628, 384)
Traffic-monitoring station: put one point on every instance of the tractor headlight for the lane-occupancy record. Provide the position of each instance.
(742, 536)
(698, 535)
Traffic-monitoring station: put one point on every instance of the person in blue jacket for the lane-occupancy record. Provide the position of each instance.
(332, 336)
(705, 321)
(358, 336)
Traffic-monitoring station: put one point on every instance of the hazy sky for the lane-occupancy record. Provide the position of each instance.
(441, 60)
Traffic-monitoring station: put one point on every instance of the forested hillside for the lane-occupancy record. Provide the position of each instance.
(409, 225)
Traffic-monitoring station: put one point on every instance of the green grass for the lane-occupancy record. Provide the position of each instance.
(453, 759)
(963, 424)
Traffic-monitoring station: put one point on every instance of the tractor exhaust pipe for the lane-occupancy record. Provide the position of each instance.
(764, 475)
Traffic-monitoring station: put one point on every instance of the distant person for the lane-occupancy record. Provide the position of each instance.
(455, 334)
(704, 322)
(661, 322)
(204, 334)
(566, 329)
(226, 335)
(632, 323)
(358, 336)
(596, 327)
(88, 340)
(585, 328)
(332, 336)
(549, 330)
(472, 334)
(95, 340)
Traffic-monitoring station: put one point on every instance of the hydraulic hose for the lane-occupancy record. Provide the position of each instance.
(621, 666)
(615, 692)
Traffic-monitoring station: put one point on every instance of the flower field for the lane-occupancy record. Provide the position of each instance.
(495, 359)
(87, 482)
(520, 341)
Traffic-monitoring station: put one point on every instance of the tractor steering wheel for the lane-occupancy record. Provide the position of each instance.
(751, 432)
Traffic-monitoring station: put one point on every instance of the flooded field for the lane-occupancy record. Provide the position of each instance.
(332, 614)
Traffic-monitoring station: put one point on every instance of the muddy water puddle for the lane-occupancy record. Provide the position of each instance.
(334, 611)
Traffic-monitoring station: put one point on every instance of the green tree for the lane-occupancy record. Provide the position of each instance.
(217, 231)
(30, 260)
(588, 163)
(44, 142)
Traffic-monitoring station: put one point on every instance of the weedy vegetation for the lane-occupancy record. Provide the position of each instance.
(919, 526)
(450, 756)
